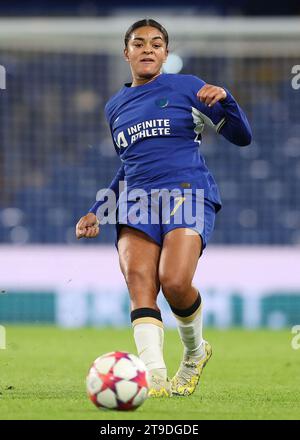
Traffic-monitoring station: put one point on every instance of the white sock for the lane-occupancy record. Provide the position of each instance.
(190, 331)
(149, 339)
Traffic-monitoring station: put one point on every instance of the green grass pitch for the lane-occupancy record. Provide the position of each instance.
(251, 375)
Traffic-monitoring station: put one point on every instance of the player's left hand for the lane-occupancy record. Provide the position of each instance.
(210, 94)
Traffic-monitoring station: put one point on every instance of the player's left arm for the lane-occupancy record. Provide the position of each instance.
(220, 106)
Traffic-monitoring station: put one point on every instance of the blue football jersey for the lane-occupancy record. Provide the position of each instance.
(157, 132)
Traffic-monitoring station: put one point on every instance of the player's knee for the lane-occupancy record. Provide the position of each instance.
(173, 283)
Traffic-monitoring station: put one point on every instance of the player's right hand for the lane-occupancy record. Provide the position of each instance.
(88, 226)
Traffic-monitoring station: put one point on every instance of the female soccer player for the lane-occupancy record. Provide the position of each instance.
(156, 123)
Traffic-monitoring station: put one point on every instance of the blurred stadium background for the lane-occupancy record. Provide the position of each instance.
(56, 153)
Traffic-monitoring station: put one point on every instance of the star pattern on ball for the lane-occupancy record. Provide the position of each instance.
(119, 355)
(125, 406)
(140, 379)
(121, 384)
(109, 381)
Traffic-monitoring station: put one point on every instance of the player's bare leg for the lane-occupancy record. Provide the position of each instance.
(139, 258)
(178, 262)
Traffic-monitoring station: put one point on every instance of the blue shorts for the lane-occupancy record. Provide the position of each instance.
(158, 212)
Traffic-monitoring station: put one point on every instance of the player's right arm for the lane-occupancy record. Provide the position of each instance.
(88, 225)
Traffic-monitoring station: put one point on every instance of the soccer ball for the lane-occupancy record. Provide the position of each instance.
(117, 380)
